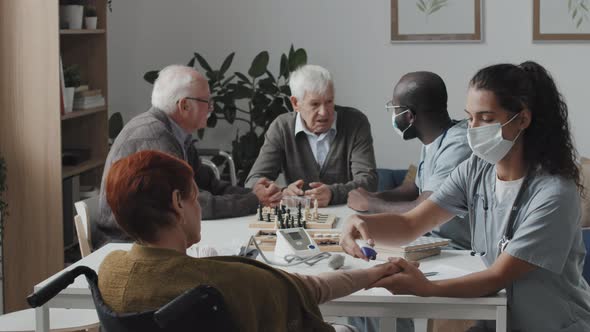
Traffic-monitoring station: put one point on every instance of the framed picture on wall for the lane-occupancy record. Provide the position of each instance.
(436, 20)
(561, 20)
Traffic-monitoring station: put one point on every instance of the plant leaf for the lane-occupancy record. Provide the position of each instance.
(298, 59)
(579, 22)
(436, 8)
(212, 121)
(151, 76)
(229, 112)
(203, 62)
(259, 64)
(243, 78)
(271, 76)
(227, 80)
(226, 63)
(420, 7)
(569, 5)
(191, 63)
(284, 68)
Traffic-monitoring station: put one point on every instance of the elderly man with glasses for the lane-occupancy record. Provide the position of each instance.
(181, 104)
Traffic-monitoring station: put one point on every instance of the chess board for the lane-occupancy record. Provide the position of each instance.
(326, 240)
(324, 221)
(270, 219)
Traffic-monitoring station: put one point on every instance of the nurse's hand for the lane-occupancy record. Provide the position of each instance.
(380, 271)
(409, 281)
(355, 228)
(358, 199)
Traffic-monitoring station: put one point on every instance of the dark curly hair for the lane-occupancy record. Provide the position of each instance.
(548, 143)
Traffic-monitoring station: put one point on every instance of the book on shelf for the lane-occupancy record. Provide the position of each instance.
(82, 102)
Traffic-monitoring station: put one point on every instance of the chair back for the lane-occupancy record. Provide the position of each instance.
(199, 309)
(389, 178)
(586, 271)
(87, 211)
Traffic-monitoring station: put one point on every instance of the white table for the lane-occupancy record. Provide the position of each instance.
(228, 234)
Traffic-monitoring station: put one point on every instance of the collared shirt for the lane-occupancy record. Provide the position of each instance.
(320, 144)
(183, 138)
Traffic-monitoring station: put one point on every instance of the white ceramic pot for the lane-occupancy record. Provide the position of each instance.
(73, 14)
(90, 22)
(69, 99)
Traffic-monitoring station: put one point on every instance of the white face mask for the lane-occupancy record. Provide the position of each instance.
(487, 142)
(395, 126)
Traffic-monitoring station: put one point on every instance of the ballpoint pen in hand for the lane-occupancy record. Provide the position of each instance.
(430, 274)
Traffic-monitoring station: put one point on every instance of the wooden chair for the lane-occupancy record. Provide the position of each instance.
(87, 213)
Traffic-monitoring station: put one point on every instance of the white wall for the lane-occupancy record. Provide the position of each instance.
(349, 37)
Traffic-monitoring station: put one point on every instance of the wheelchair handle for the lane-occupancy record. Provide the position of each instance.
(53, 288)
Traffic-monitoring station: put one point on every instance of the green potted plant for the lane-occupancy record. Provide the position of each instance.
(255, 98)
(90, 17)
(3, 215)
(72, 80)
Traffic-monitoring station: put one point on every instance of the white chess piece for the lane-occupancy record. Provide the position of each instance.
(315, 209)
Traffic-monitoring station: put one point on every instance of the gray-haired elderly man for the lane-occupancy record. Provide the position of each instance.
(324, 151)
(181, 103)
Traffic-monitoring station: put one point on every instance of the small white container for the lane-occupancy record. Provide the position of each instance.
(90, 22)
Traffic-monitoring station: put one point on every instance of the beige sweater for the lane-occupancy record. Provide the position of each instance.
(146, 278)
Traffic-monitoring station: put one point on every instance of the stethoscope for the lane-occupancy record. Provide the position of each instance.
(509, 231)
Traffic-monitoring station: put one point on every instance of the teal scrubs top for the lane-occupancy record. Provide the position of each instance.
(437, 161)
(547, 234)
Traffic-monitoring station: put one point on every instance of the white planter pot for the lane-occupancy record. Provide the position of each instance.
(90, 22)
(69, 99)
(73, 14)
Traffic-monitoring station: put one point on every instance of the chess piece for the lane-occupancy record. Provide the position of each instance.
(260, 218)
(315, 209)
(304, 224)
(268, 217)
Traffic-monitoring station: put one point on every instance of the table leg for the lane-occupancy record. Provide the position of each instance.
(387, 325)
(501, 319)
(42, 319)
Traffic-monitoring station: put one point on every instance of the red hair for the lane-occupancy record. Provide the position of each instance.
(139, 191)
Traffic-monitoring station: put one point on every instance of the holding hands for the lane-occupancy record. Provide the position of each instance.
(406, 278)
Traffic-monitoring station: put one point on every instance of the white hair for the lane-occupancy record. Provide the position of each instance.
(309, 78)
(174, 82)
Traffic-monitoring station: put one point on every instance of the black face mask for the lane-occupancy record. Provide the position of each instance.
(406, 129)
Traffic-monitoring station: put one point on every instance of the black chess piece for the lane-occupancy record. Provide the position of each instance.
(304, 224)
(260, 218)
(268, 217)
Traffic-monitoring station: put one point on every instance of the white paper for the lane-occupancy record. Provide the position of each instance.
(445, 272)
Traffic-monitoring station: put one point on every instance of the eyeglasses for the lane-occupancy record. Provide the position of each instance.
(210, 102)
(390, 106)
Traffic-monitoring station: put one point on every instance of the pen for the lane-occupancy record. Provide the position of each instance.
(430, 274)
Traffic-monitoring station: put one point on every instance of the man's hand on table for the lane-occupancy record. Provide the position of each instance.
(267, 192)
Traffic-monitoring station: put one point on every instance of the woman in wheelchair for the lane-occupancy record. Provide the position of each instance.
(154, 199)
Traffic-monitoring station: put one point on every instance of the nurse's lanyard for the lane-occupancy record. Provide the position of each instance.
(509, 231)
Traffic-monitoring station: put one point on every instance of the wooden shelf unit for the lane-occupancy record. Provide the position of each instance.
(81, 113)
(81, 32)
(85, 129)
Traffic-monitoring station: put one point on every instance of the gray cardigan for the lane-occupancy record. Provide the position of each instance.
(152, 130)
(350, 162)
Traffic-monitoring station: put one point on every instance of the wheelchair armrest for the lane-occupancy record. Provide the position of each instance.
(209, 152)
(202, 301)
(53, 288)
